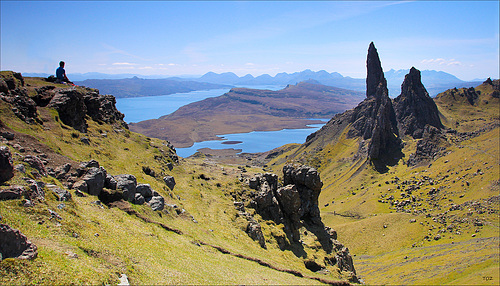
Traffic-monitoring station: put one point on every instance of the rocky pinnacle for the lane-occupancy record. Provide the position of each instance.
(375, 74)
(414, 107)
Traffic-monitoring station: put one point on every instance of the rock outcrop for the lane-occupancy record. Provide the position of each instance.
(292, 203)
(374, 118)
(73, 104)
(295, 206)
(71, 107)
(12, 90)
(414, 107)
(12, 193)
(14, 244)
(6, 167)
(375, 74)
(432, 146)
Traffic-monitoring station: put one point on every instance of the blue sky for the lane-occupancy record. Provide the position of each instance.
(256, 37)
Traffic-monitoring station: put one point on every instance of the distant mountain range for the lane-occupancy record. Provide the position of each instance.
(434, 81)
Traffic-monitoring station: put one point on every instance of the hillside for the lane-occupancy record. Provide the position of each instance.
(244, 110)
(137, 87)
(424, 211)
(83, 200)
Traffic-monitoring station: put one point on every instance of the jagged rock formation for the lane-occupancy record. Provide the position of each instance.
(292, 203)
(431, 147)
(414, 107)
(72, 104)
(472, 96)
(374, 119)
(375, 74)
(71, 108)
(14, 244)
(295, 205)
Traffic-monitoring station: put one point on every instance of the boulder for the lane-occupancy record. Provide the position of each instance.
(110, 182)
(302, 175)
(6, 164)
(289, 200)
(81, 186)
(344, 260)
(102, 108)
(138, 199)
(62, 194)
(23, 106)
(128, 184)
(7, 135)
(12, 193)
(145, 190)
(296, 201)
(62, 171)
(3, 86)
(308, 184)
(14, 244)
(254, 230)
(36, 163)
(89, 164)
(170, 182)
(95, 178)
(36, 189)
(44, 94)
(157, 203)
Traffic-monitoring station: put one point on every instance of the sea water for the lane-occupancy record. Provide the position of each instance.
(255, 141)
(151, 107)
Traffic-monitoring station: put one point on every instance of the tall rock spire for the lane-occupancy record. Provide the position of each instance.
(373, 120)
(414, 107)
(374, 72)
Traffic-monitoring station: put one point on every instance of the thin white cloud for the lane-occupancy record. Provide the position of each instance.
(441, 62)
(124, 64)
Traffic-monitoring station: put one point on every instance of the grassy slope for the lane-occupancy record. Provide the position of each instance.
(94, 244)
(389, 248)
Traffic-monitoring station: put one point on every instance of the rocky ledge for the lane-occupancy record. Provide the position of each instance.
(73, 104)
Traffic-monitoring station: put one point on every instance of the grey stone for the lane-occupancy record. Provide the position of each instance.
(157, 203)
(62, 194)
(138, 199)
(95, 178)
(145, 190)
(170, 182)
(6, 167)
(14, 244)
(127, 183)
(36, 163)
(12, 193)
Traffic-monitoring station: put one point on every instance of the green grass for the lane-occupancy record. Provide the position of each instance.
(94, 245)
(381, 238)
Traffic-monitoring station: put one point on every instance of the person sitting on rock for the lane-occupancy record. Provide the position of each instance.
(61, 74)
